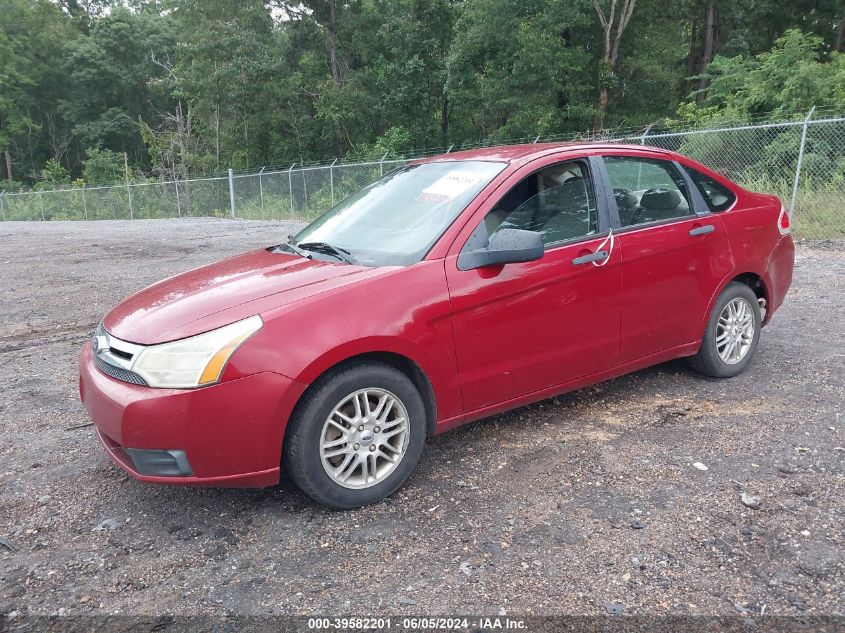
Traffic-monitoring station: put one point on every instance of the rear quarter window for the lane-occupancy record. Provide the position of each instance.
(717, 196)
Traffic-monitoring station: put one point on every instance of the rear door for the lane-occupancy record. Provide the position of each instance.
(674, 253)
(524, 327)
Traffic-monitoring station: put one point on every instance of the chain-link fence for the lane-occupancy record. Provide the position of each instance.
(802, 161)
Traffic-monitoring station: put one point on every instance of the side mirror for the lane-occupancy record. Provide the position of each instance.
(507, 246)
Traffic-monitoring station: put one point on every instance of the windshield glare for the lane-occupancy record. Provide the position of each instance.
(397, 219)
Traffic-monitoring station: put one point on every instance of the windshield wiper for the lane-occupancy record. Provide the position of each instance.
(295, 249)
(323, 247)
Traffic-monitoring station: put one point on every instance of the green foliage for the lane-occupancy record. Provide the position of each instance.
(397, 142)
(190, 86)
(520, 69)
(102, 166)
(54, 175)
(790, 78)
(113, 81)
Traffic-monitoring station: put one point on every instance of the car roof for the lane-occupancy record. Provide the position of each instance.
(527, 152)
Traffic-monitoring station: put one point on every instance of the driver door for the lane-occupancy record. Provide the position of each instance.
(527, 327)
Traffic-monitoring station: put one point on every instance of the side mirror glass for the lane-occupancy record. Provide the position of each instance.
(506, 246)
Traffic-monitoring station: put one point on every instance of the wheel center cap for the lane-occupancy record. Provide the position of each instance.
(366, 437)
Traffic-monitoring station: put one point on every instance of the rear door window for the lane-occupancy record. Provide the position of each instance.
(647, 190)
(717, 196)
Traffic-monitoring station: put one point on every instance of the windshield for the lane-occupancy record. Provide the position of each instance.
(397, 219)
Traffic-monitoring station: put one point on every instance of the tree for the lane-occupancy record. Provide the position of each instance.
(14, 119)
(613, 27)
(790, 78)
(32, 33)
(407, 60)
(708, 48)
(102, 166)
(224, 74)
(190, 86)
(54, 174)
(113, 81)
(517, 70)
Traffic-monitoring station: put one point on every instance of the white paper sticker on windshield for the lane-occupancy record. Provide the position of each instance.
(451, 186)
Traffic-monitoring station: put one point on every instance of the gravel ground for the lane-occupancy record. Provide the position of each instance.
(587, 503)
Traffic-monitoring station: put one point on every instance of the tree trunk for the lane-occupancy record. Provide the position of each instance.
(217, 136)
(707, 49)
(334, 67)
(8, 165)
(604, 97)
(332, 28)
(692, 56)
(840, 36)
(183, 138)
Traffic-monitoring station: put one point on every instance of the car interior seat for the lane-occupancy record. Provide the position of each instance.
(628, 206)
(660, 203)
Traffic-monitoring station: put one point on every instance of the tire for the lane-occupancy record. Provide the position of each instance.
(709, 361)
(357, 387)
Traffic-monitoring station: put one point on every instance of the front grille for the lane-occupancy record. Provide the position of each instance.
(119, 373)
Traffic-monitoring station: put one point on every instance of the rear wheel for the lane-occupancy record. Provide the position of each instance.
(732, 334)
(357, 435)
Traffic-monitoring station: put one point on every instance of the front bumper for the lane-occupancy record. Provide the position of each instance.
(231, 433)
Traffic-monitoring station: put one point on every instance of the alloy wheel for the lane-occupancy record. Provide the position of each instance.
(364, 438)
(735, 330)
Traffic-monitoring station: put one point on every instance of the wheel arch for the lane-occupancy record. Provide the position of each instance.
(751, 279)
(402, 362)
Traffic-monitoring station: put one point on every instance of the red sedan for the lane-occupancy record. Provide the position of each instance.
(451, 289)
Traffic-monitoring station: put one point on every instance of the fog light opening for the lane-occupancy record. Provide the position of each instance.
(158, 463)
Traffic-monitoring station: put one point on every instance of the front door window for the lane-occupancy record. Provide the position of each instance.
(558, 202)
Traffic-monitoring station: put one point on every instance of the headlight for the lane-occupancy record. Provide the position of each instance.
(195, 361)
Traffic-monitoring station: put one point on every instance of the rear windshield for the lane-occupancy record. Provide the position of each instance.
(716, 195)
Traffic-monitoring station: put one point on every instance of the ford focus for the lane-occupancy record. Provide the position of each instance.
(449, 290)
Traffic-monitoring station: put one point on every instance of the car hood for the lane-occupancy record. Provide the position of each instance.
(218, 294)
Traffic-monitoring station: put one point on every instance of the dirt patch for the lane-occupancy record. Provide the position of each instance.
(584, 500)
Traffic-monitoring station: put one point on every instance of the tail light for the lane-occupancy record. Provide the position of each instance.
(783, 221)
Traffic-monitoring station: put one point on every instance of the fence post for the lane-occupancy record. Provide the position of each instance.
(261, 192)
(381, 164)
(84, 201)
(232, 193)
(128, 190)
(304, 189)
(178, 202)
(800, 160)
(331, 178)
(640, 168)
(41, 200)
(3, 205)
(290, 188)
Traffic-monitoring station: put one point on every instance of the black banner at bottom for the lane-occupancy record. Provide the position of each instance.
(407, 624)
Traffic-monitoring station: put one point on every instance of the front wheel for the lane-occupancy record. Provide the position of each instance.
(356, 436)
(732, 334)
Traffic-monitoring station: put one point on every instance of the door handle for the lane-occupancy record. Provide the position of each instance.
(598, 256)
(702, 230)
